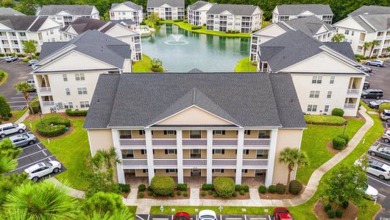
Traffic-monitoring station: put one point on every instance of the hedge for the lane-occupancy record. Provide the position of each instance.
(345, 137)
(207, 186)
(196, 27)
(262, 189)
(124, 187)
(338, 112)
(384, 106)
(47, 130)
(181, 187)
(280, 188)
(324, 119)
(162, 185)
(76, 112)
(272, 189)
(56, 120)
(339, 143)
(141, 187)
(295, 187)
(224, 186)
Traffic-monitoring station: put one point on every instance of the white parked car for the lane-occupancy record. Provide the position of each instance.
(371, 192)
(39, 170)
(376, 168)
(11, 128)
(207, 215)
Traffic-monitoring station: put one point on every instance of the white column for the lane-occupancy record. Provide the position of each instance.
(240, 149)
(119, 166)
(209, 156)
(271, 158)
(149, 153)
(179, 144)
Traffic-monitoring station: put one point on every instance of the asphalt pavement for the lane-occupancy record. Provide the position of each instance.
(196, 217)
(379, 78)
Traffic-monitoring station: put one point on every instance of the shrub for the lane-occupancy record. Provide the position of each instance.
(181, 186)
(25, 60)
(76, 112)
(150, 193)
(262, 189)
(238, 187)
(345, 204)
(338, 143)
(124, 187)
(210, 192)
(327, 207)
(245, 188)
(6, 118)
(383, 106)
(242, 192)
(272, 189)
(172, 194)
(203, 193)
(338, 112)
(207, 186)
(215, 194)
(47, 130)
(141, 187)
(224, 186)
(331, 213)
(295, 187)
(185, 194)
(280, 188)
(35, 107)
(339, 213)
(178, 193)
(141, 195)
(196, 27)
(162, 185)
(345, 137)
(159, 69)
(359, 57)
(324, 119)
(56, 120)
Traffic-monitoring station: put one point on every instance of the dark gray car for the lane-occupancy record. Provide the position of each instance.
(23, 140)
(379, 151)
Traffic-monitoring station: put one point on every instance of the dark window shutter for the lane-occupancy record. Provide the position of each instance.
(213, 151)
(223, 132)
(167, 171)
(223, 170)
(223, 151)
(175, 151)
(174, 132)
(166, 151)
(165, 132)
(213, 132)
(153, 151)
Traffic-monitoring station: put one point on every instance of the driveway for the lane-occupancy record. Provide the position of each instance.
(18, 71)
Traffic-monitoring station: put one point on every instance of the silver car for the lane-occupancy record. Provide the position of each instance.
(11, 128)
(22, 140)
(39, 170)
(380, 151)
(375, 104)
(378, 63)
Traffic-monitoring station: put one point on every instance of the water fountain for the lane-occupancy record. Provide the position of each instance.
(177, 41)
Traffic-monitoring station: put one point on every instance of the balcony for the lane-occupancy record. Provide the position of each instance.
(248, 143)
(353, 91)
(224, 163)
(361, 42)
(197, 163)
(225, 142)
(255, 163)
(132, 142)
(135, 163)
(190, 143)
(163, 142)
(350, 105)
(45, 90)
(47, 103)
(164, 163)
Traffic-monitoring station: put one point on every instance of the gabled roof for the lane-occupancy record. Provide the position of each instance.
(38, 23)
(234, 9)
(244, 99)
(9, 11)
(82, 24)
(22, 23)
(198, 5)
(71, 9)
(296, 9)
(295, 46)
(128, 4)
(124, 22)
(195, 70)
(172, 3)
(308, 25)
(371, 10)
(95, 44)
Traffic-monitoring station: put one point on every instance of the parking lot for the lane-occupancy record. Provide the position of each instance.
(379, 78)
(219, 217)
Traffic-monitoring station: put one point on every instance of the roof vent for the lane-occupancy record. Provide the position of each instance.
(292, 100)
(98, 100)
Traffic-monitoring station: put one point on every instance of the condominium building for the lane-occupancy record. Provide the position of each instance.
(196, 13)
(66, 14)
(113, 29)
(126, 10)
(196, 125)
(227, 17)
(67, 72)
(14, 29)
(312, 26)
(294, 11)
(9, 11)
(324, 73)
(367, 24)
(167, 9)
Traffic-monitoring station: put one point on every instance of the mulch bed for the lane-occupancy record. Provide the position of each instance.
(329, 147)
(238, 197)
(280, 196)
(350, 213)
(147, 196)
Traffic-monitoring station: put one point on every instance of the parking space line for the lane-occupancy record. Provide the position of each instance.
(37, 161)
(372, 178)
(44, 153)
(139, 217)
(378, 159)
(33, 145)
(382, 195)
(32, 154)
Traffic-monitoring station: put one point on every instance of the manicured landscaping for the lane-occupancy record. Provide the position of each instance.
(245, 65)
(17, 114)
(71, 149)
(203, 30)
(155, 210)
(314, 144)
(324, 119)
(3, 77)
(144, 65)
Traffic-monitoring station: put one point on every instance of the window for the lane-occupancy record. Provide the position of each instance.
(84, 104)
(218, 151)
(332, 80)
(65, 77)
(316, 80)
(329, 95)
(195, 134)
(346, 32)
(247, 132)
(218, 170)
(352, 32)
(143, 151)
(314, 94)
(171, 170)
(171, 151)
(128, 154)
(80, 76)
(264, 134)
(326, 109)
(312, 108)
(245, 171)
(68, 105)
(219, 132)
(82, 90)
(67, 91)
(246, 152)
(15, 42)
(22, 34)
(125, 134)
(144, 170)
(141, 132)
(169, 132)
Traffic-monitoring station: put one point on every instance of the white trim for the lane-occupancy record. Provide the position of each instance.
(271, 158)
(179, 142)
(149, 154)
(119, 166)
(240, 149)
(209, 156)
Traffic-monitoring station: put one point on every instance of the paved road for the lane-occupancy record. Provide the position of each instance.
(380, 79)
(18, 71)
(195, 217)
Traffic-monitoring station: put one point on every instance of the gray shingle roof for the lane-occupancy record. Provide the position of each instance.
(371, 9)
(378, 22)
(17, 22)
(97, 45)
(50, 47)
(143, 99)
(295, 46)
(317, 9)
(342, 47)
(124, 22)
(364, 24)
(9, 11)
(38, 23)
(128, 4)
(198, 5)
(82, 24)
(195, 70)
(71, 9)
(172, 3)
(234, 9)
(308, 25)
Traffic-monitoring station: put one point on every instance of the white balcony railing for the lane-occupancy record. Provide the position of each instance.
(349, 105)
(353, 91)
(47, 103)
(45, 89)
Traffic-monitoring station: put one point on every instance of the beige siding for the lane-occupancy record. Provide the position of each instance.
(140, 173)
(251, 155)
(99, 139)
(162, 172)
(186, 134)
(136, 135)
(227, 172)
(193, 116)
(228, 134)
(251, 173)
(138, 155)
(160, 134)
(229, 154)
(160, 154)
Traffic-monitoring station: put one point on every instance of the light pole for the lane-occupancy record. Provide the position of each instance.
(40, 116)
(345, 126)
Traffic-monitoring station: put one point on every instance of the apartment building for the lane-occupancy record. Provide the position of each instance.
(312, 26)
(294, 11)
(113, 29)
(67, 72)
(367, 24)
(194, 125)
(9, 11)
(14, 29)
(66, 14)
(324, 73)
(228, 17)
(196, 13)
(167, 9)
(126, 10)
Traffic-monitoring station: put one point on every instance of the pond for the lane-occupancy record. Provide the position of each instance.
(182, 51)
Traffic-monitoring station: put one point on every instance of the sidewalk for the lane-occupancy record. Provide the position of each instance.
(23, 117)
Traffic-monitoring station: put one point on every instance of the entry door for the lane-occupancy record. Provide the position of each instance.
(195, 172)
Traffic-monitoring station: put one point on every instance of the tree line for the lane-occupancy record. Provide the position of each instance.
(340, 8)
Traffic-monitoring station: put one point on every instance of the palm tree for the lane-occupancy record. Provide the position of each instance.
(24, 87)
(366, 45)
(106, 160)
(373, 44)
(292, 157)
(338, 38)
(44, 200)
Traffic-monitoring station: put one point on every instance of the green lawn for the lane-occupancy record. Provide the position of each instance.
(71, 150)
(155, 210)
(324, 119)
(245, 65)
(314, 141)
(18, 114)
(143, 65)
(5, 77)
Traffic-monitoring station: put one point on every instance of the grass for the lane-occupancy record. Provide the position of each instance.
(143, 65)
(265, 24)
(155, 210)
(132, 209)
(324, 119)
(71, 150)
(5, 77)
(245, 65)
(188, 27)
(18, 114)
(314, 142)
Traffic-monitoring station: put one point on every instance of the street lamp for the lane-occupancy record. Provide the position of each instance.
(345, 126)
(40, 116)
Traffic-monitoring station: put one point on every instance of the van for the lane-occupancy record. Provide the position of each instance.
(31, 82)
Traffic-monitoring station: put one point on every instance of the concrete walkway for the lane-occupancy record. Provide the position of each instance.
(23, 117)
(144, 205)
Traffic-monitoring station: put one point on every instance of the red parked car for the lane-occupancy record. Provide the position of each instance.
(282, 214)
(182, 216)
